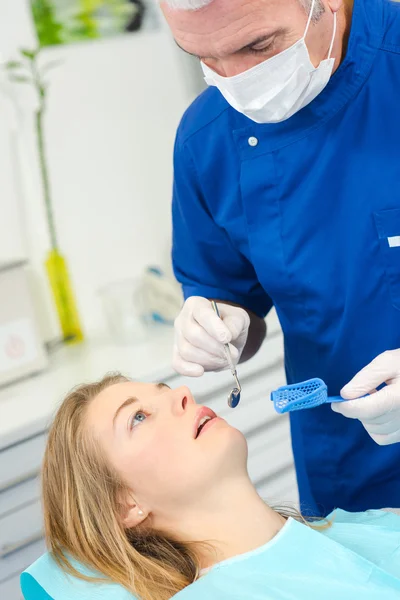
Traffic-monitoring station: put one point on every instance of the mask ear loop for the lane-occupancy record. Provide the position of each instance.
(310, 16)
(334, 34)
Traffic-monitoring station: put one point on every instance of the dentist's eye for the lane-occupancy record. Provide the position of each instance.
(138, 417)
(263, 50)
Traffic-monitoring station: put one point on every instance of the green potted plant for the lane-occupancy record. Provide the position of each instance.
(27, 70)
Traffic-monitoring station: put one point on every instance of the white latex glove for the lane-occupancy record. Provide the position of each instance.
(200, 336)
(379, 412)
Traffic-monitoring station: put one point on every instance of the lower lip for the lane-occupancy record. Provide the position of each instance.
(209, 424)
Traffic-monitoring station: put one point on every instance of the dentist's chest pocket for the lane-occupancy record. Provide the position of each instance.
(388, 227)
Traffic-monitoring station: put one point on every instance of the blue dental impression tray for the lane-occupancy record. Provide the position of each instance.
(298, 396)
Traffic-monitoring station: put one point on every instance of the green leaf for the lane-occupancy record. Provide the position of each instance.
(50, 32)
(14, 64)
(28, 53)
(20, 79)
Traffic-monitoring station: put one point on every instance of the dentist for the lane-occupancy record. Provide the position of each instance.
(287, 194)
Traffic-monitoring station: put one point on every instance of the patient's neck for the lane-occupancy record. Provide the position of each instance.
(233, 520)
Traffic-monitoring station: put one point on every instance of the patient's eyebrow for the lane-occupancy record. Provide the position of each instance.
(128, 402)
(160, 386)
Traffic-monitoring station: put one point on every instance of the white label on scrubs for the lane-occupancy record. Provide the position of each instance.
(18, 344)
(394, 241)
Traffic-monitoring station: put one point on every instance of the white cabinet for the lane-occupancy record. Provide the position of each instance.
(13, 565)
(18, 529)
(17, 495)
(21, 537)
(10, 588)
(22, 460)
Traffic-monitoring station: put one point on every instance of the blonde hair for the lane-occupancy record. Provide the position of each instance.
(81, 494)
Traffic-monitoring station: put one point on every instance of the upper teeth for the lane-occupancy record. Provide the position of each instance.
(201, 423)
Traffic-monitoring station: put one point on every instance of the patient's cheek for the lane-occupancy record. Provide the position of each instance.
(141, 465)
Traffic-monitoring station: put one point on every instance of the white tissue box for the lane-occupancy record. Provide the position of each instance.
(21, 349)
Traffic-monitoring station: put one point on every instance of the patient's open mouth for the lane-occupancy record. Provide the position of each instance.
(203, 417)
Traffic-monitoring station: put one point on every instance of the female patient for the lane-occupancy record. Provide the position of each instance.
(150, 491)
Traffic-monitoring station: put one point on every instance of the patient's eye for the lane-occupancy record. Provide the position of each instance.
(138, 417)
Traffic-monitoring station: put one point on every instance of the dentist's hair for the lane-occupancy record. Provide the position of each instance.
(319, 8)
(187, 4)
(83, 512)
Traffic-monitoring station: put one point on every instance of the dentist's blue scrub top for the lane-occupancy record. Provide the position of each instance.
(303, 215)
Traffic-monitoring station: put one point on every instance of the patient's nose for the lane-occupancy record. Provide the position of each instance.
(182, 399)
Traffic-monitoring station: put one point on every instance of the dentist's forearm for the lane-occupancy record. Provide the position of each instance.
(256, 337)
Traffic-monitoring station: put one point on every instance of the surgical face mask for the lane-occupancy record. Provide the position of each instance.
(277, 88)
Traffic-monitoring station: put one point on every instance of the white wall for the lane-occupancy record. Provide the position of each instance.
(113, 111)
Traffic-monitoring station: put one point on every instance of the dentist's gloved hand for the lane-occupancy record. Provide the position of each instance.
(200, 335)
(379, 412)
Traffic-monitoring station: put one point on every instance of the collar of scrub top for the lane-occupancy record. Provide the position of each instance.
(366, 37)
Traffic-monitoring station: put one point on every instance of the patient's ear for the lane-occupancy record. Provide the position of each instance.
(131, 514)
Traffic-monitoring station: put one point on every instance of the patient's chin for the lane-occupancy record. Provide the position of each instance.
(223, 430)
(233, 444)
